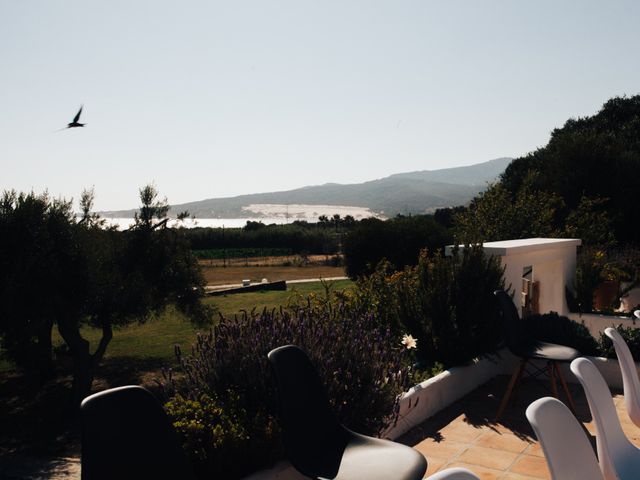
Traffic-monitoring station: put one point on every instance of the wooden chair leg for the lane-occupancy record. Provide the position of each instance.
(552, 377)
(507, 395)
(563, 382)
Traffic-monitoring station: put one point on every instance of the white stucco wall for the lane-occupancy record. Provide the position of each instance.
(554, 266)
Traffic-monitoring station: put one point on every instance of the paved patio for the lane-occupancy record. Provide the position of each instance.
(466, 435)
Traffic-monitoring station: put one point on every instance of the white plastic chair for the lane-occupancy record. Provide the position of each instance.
(454, 474)
(565, 445)
(630, 380)
(619, 458)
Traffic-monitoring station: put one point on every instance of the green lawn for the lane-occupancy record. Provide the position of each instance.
(157, 337)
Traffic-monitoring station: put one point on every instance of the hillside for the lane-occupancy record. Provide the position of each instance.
(406, 193)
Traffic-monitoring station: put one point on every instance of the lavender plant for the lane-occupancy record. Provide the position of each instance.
(364, 367)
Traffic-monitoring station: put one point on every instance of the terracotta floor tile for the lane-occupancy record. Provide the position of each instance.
(501, 428)
(531, 466)
(535, 449)
(515, 476)
(434, 464)
(469, 437)
(591, 426)
(482, 472)
(502, 441)
(488, 457)
(460, 431)
(445, 449)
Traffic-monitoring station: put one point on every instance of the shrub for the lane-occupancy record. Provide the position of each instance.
(631, 335)
(445, 302)
(459, 321)
(362, 365)
(553, 328)
(398, 240)
(216, 436)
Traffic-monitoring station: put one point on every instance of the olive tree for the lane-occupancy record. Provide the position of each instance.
(64, 272)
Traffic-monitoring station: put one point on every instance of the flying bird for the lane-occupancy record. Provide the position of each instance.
(75, 122)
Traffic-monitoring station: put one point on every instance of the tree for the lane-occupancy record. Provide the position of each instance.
(596, 157)
(70, 273)
(591, 223)
(151, 209)
(348, 221)
(496, 214)
(37, 252)
(323, 220)
(398, 240)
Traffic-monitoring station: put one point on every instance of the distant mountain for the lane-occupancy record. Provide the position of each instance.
(405, 193)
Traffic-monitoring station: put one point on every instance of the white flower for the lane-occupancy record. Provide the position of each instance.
(409, 342)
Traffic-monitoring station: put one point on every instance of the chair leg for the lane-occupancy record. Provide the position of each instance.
(563, 382)
(552, 377)
(507, 395)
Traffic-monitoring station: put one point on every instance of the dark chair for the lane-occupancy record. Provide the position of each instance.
(317, 444)
(527, 348)
(127, 435)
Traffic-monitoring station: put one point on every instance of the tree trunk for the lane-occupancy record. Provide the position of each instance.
(84, 363)
(44, 352)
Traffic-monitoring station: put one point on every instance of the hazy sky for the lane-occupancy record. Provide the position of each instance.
(210, 99)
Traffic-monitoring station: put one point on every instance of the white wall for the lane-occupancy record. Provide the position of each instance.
(554, 266)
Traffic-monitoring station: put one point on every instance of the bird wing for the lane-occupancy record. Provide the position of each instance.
(77, 117)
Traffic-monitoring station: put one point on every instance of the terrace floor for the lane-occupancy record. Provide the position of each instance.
(466, 435)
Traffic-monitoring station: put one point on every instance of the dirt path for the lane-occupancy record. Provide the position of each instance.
(235, 275)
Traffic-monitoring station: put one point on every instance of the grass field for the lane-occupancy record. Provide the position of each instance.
(156, 338)
(31, 415)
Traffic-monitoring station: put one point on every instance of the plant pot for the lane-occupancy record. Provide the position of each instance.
(605, 294)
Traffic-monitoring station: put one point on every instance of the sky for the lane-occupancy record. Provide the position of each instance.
(213, 99)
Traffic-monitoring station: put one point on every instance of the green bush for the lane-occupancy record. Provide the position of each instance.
(447, 303)
(456, 294)
(216, 436)
(553, 328)
(631, 335)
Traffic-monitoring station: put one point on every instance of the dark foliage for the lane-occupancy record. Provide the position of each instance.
(362, 365)
(446, 216)
(398, 240)
(61, 272)
(458, 321)
(42, 271)
(598, 157)
(631, 335)
(445, 302)
(498, 214)
(297, 238)
(553, 328)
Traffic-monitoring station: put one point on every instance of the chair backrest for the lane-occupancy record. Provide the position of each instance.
(629, 375)
(565, 445)
(512, 325)
(127, 435)
(313, 437)
(618, 457)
